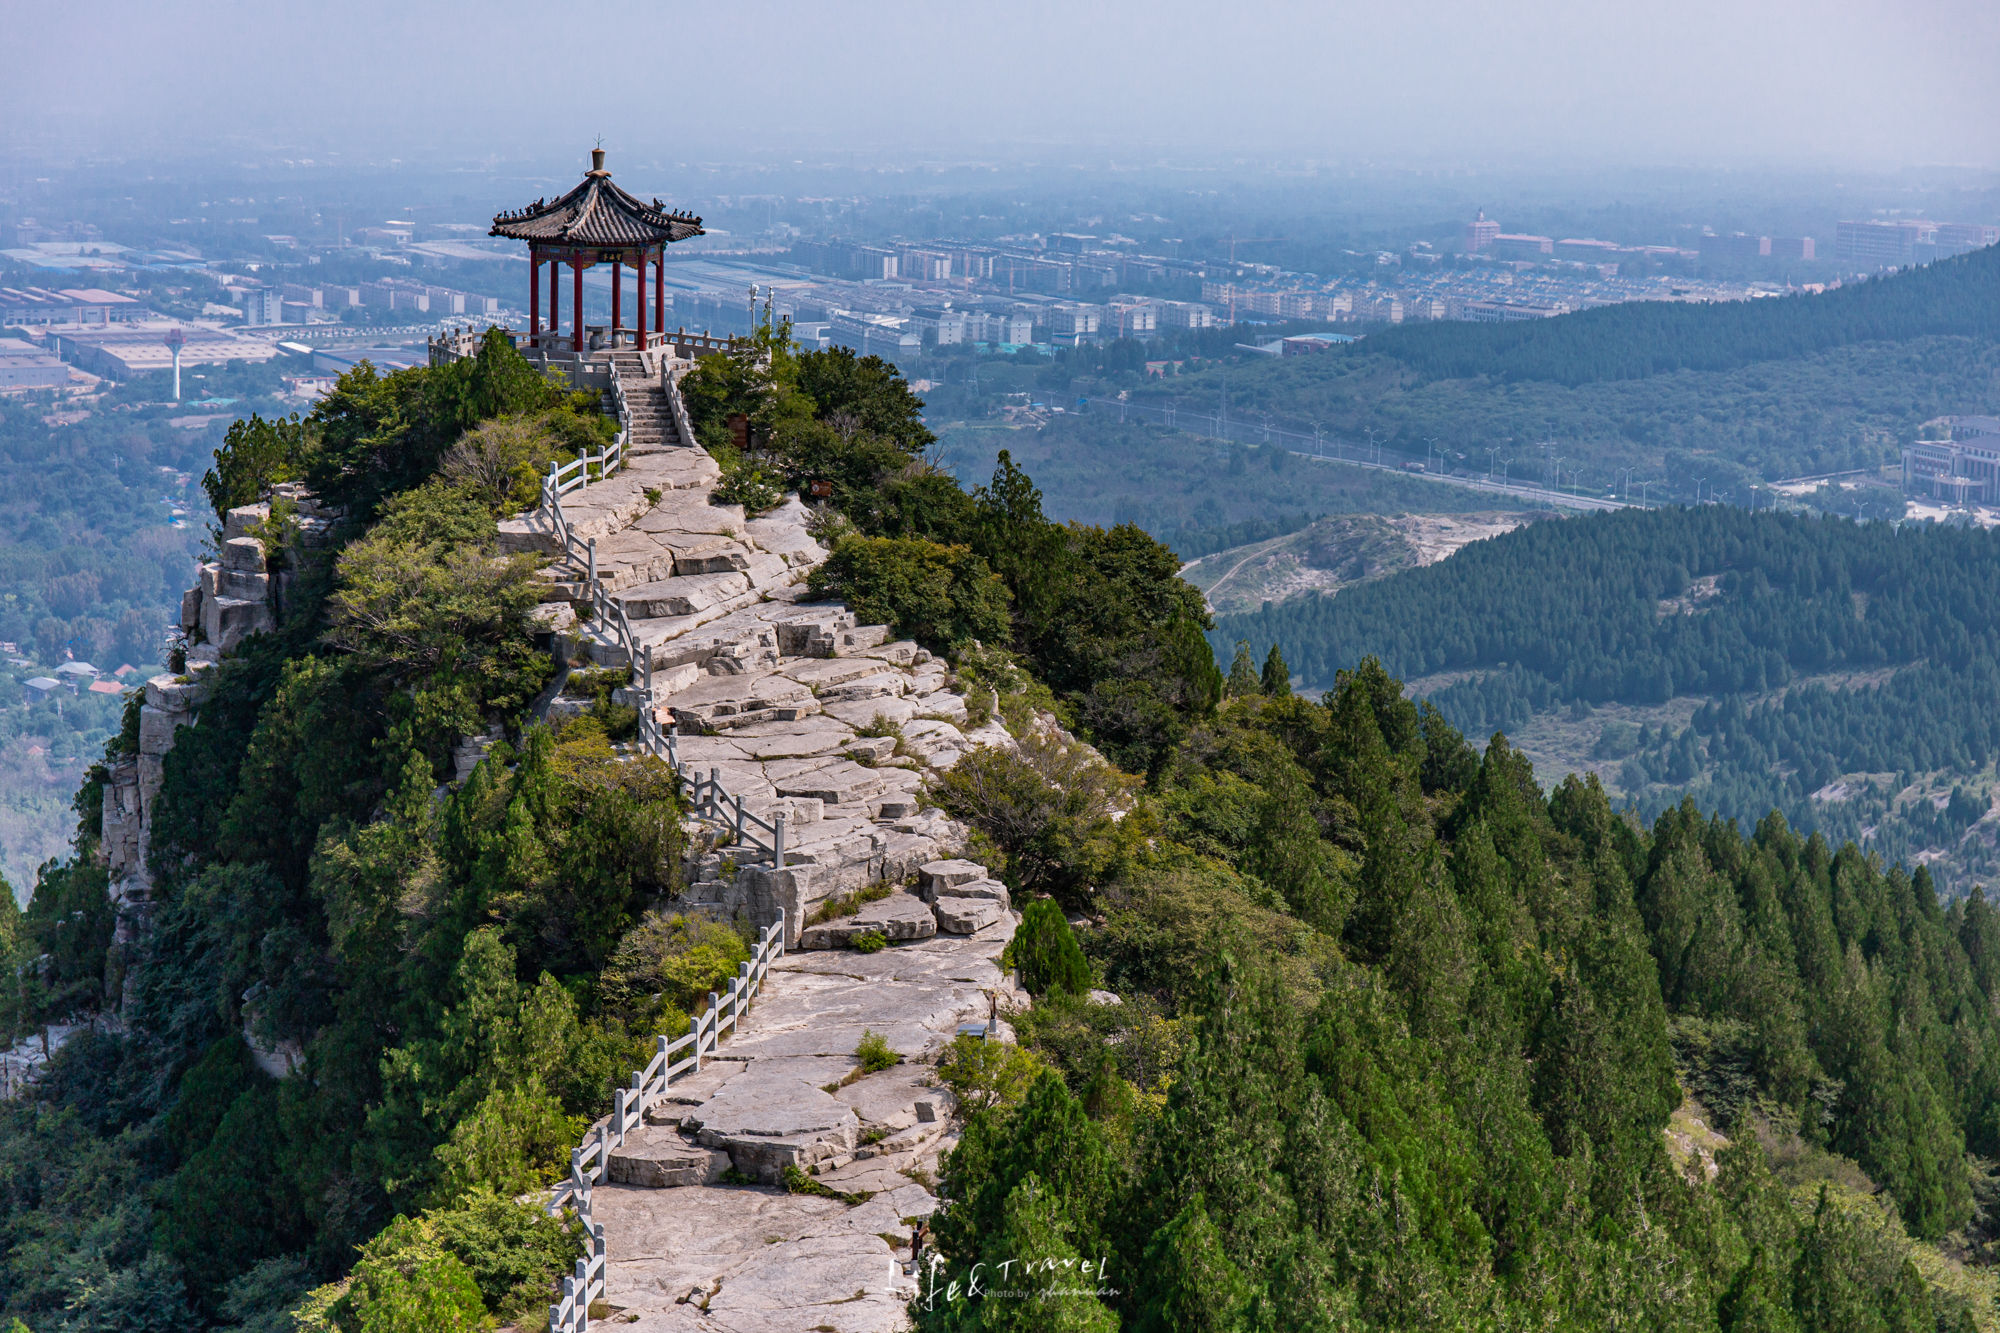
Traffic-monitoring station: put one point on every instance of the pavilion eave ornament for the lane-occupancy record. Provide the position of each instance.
(596, 213)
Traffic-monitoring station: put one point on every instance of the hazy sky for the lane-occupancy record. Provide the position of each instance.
(1693, 82)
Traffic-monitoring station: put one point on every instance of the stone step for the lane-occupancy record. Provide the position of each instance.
(896, 917)
(681, 595)
(657, 1157)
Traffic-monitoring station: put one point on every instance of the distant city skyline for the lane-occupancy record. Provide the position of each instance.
(1866, 83)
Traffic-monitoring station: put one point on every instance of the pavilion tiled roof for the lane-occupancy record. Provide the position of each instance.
(596, 212)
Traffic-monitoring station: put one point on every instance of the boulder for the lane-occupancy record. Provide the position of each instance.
(227, 621)
(657, 1157)
(243, 555)
(767, 1122)
(991, 889)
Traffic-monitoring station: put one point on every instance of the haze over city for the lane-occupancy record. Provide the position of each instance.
(1873, 83)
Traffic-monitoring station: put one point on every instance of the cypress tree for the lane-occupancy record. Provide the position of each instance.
(1046, 956)
(1243, 678)
(1277, 677)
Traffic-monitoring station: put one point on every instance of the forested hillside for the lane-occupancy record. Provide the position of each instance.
(1849, 674)
(1400, 1040)
(1958, 296)
(1196, 495)
(1694, 401)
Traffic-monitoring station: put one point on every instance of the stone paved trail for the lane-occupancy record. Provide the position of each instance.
(772, 694)
(752, 1258)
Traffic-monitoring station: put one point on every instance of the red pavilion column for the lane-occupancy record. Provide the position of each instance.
(639, 291)
(534, 298)
(660, 289)
(576, 299)
(555, 299)
(617, 296)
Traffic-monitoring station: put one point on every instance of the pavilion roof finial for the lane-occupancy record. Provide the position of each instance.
(597, 161)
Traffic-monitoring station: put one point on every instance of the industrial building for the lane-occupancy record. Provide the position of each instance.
(26, 366)
(1961, 465)
(1908, 241)
(121, 351)
(34, 306)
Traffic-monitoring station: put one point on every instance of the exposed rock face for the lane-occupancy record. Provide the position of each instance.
(241, 591)
(236, 595)
(171, 703)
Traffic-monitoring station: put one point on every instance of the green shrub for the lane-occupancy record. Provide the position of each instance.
(870, 941)
(874, 1053)
(984, 1075)
(941, 596)
(1046, 955)
(1047, 805)
(744, 482)
(664, 968)
(408, 1280)
(515, 1252)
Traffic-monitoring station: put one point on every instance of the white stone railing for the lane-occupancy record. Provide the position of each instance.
(574, 475)
(589, 1163)
(677, 406)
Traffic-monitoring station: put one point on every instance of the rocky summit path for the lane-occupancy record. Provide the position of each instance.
(754, 1258)
(772, 695)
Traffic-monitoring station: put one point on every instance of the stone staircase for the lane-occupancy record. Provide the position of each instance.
(649, 417)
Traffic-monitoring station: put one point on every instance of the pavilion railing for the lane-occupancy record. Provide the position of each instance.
(674, 1059)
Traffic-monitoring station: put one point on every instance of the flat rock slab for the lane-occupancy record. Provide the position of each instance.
(681, 595)
(657, 1157)
(765, 1260)
(966, 916)
(899, 916)
(796, 741)
(842, 782)
(897, 1098)
(862, 712)
(776, 1105)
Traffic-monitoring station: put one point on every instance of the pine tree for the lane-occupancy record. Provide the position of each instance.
(1034, 1256)
(1046, 955)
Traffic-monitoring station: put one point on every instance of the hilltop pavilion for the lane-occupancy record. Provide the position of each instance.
(595, 223)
